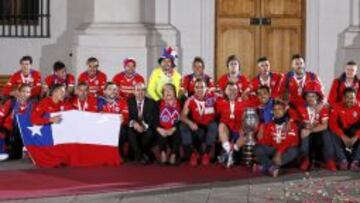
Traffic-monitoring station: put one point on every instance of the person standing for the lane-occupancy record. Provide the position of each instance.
(93, 77)
(347, 79)
(165, 73)
(127, 79)
(234, 76)
(26, 75)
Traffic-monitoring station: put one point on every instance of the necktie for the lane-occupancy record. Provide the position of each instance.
(139, 108)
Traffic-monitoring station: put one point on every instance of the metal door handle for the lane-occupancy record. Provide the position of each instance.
(255, 21)
(266, 21)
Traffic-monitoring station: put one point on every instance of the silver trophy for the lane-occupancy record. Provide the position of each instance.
(250, 122)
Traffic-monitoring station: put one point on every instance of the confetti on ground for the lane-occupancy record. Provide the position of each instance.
(314, 190)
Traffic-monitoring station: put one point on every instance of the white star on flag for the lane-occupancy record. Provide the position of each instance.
(36, 129)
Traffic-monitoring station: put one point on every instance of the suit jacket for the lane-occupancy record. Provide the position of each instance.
(150, 112)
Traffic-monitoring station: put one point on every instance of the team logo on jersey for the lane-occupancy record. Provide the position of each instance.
(209, 102)
(168, 115)
(96, 82)
(117, 109)
(279, 135)
(165, 118)
(355, 114)
(272, 83)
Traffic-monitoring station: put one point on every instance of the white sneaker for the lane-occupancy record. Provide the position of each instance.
(4, 156)
(230, 160)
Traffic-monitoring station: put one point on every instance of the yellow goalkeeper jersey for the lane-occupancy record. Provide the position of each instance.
(157, 81)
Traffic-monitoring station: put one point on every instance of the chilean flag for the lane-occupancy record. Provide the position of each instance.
(80, 139)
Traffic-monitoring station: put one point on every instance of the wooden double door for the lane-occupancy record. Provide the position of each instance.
(254, 28)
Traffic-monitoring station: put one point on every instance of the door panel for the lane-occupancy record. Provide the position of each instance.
(278, 40)
(282, 8)
(237, 9)
(238, 38)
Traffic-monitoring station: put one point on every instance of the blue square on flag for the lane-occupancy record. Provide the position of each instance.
(34, 135)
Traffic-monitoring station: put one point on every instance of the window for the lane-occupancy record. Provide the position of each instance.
(25, 18)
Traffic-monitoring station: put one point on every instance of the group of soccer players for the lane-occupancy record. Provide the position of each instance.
(194, 119)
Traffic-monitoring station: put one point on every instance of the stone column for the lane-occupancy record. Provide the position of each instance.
(125, 28)
(161, 32)
(114, 33)
(355, 14)
(352, 34)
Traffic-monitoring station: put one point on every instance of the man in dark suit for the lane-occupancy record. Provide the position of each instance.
(142, 125)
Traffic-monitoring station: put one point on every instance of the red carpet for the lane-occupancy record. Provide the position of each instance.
(36, 183)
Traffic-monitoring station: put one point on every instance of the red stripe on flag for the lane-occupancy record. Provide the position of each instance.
(76, 155)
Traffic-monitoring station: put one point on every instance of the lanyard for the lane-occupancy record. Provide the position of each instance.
(200, 106)
(80, 107)
(265, 82)
(93, 79)
(312, 114)
(232, 109)
(348, 84)
(300, 83)
(26, 80)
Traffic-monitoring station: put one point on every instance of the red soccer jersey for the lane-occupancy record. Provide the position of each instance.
(273, 83)
(46, 106)
(8, 111)
(119, 106)
(5, 111)
(342, 118)
(202, 111)
(168, 115)
(126, 84)
(293, 87)
(279, 137)
(253, 102)
(18, 79)
(90, 104)
(309, 115)
(337, 88)
(242, 83)
(188, 83)
(96, 84)
(52, 80)
(232, 119)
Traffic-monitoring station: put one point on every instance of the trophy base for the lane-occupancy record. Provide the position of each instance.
(247, 155)
(247, 161)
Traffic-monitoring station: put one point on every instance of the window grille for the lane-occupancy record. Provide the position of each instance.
(25, 18)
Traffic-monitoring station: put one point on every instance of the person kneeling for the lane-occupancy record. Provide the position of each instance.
(277, 144)
(314, 135)
(345, 124)
(198, 124)
(230, 110)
